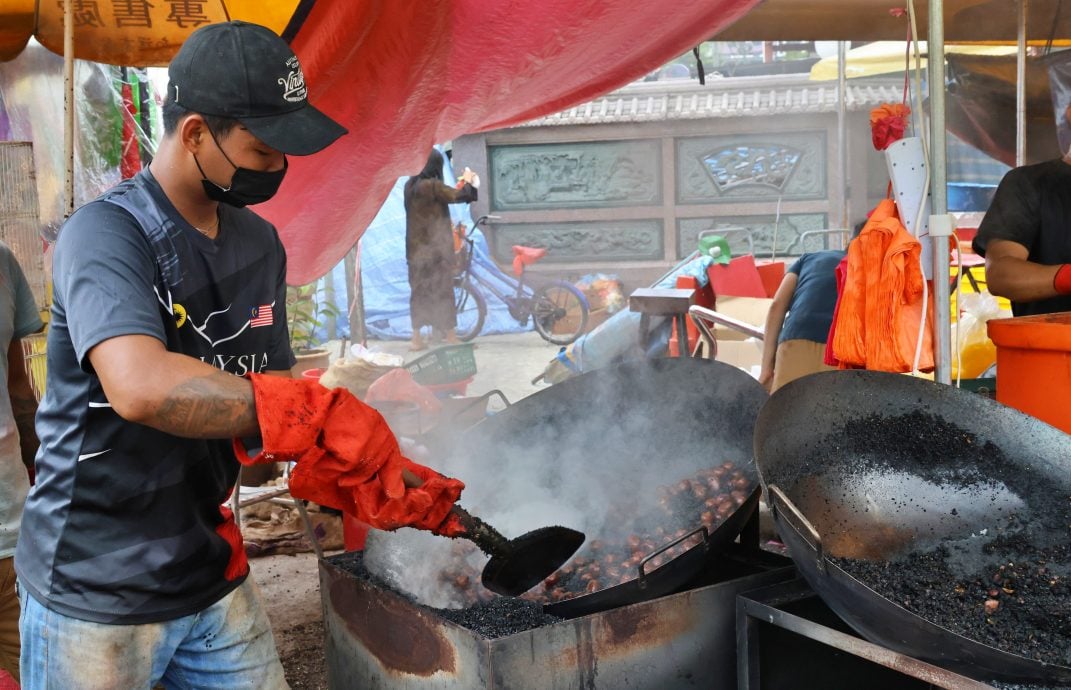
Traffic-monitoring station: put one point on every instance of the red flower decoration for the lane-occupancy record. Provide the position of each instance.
(888, 123)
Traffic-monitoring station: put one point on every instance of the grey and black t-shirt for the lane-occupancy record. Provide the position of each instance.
(121, 526)
(18, 319)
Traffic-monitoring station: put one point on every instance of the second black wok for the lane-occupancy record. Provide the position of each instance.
(874, 477)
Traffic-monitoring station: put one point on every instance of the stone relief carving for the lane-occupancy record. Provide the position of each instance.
(735, 166)
(639, 240)
(591, 174)
(750, 168)
(751, 233)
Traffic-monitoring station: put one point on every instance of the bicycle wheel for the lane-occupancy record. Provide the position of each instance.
(559, 312)
(471, 310)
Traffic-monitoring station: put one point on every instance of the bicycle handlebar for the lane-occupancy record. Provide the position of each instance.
(477, 223)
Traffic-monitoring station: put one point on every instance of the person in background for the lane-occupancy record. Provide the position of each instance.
(1025, 241)
(167, 294)
(18, 441)
(429, 248)
(798, 322)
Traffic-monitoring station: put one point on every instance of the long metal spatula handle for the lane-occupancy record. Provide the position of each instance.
(483, 535)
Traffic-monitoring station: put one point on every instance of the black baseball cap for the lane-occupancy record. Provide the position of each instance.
(246, 72)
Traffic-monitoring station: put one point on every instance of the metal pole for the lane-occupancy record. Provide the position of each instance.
(68, 107)
(358, 333)
(939, 194)
(1020, 89)
(842, 128)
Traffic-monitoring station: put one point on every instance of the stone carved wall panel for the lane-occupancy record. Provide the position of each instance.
(576, 175)
(752, 167)
(764, 231)
(583, 242)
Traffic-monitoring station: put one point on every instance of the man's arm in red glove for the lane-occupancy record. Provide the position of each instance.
(347, 457)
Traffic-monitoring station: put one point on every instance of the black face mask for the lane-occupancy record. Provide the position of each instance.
(247, 186)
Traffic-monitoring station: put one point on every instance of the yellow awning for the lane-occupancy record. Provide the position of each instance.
(885, 57)
(128, 32)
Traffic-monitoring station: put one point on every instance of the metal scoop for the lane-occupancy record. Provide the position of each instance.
(519, 564)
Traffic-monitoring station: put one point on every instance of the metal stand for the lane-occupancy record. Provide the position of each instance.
(788, 638)
(706, 319)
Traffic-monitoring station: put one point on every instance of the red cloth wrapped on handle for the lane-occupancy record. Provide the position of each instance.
(346, 457)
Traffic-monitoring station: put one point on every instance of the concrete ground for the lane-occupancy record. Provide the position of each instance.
(290, 583)
(504, 362)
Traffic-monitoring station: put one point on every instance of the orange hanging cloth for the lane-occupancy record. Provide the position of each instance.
(879, 311)
(830, 357)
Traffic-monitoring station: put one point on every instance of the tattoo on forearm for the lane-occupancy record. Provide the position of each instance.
(217, 406)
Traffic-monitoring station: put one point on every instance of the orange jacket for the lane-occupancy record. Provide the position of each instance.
(878, 315)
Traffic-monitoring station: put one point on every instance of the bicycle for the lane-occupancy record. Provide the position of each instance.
(548, 305)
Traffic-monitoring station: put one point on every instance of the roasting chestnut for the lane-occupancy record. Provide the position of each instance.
(708, 497)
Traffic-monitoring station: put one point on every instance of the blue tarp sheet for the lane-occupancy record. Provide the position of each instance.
(385, 276)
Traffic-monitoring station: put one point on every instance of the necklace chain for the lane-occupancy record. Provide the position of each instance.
(209, 231)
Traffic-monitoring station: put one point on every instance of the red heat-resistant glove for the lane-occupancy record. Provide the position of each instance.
(437, 520)
(1062, 281)
(347, 456)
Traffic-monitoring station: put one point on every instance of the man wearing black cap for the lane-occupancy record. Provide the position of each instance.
(167, 292)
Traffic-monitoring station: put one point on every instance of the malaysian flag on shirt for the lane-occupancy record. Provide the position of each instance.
(261, 316)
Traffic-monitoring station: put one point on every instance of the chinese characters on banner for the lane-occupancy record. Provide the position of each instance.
(131, 32)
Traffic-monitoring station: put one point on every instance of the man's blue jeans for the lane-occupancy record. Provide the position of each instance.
(228, 645)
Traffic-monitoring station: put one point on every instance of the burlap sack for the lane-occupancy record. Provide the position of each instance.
(355, 375)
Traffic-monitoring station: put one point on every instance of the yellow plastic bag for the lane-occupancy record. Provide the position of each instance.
(976, 351)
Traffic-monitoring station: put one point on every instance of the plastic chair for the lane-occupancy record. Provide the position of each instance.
(705, 320)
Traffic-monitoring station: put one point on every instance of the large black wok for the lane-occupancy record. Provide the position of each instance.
(872, 468)
(570, 454)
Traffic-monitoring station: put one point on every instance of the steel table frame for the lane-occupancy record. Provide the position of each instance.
(766, 607)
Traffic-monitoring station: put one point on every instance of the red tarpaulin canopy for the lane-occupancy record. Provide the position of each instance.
(405, 75)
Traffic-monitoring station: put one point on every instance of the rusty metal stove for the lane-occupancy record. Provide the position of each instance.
(377, 638)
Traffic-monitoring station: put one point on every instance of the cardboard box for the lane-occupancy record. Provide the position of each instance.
(771, 273)
(568, 323)
(750, 310)
(745, 354)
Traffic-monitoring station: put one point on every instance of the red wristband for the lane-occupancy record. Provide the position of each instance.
(1062, 281)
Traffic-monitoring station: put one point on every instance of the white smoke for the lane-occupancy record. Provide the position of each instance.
(587, 456)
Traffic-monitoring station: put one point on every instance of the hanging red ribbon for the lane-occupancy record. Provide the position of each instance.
(130, 163)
